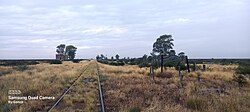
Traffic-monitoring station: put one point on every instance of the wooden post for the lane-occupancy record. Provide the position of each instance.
(199, 77)
(179, 69)
(161, 63)
(194, 66)
(204, 67)
(187, 64)
(152, 72)
(181, 77)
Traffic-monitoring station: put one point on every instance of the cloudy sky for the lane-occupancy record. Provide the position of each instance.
(200, 28)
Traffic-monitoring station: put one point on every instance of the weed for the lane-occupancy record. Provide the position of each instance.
(21, 67)
(56, 62)
(135, 109)
(195, 103)
(240, 79)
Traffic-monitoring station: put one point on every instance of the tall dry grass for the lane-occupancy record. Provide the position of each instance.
(128, 87)
(42, 79)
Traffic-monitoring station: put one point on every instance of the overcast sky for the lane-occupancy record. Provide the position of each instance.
(200, 28)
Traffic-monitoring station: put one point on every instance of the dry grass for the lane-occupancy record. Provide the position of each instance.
(125, 88)
(130, 86)
(83, 96)
(42, 79)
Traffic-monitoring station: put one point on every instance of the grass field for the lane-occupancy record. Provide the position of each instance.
(41, 79)
(126, 88)
(129, 88)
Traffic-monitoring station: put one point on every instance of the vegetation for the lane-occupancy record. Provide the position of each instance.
(69, 50)
(240, 79)
(135, 109)
(195, 104)
(244, 68)
(49, 80)
(129, 87)
(56, 62)
(21, 67)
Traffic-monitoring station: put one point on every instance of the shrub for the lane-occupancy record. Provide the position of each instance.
(21, 67)
(240, 79)
(135, 109)
(243, 68)
(144, 64)
(18, 62)
(5, 108)
(165, 75)
(4, 72)
(75, 61)
(195, 103)
(170, 64)
(56, 62)
(182, 67)
(115, 63)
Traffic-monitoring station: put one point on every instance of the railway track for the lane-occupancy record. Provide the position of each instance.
(103, 108)
(91, 68)
(61, 97)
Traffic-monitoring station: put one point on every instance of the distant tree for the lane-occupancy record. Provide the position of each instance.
(162, 46)
(144, 57)
(182, 55)
(60, 49)
(71, 51)
(112, 58)
(172, 53)
(102, 56)
(97, 57)
(117, 56)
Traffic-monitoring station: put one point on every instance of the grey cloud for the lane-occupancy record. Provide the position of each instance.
(125, 27)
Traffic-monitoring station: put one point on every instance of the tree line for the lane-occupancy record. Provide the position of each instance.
(162, 54)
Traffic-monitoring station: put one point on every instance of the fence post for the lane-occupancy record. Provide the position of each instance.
(179, 69)
(152, 72)
(187, 64)
(161, 63)
(194, 66)
(204, 67)
(199, 77)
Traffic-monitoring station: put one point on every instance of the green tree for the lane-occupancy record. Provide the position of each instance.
(60, 49)
(182, 55)
(162, 46)
(172, 53)
(117, 56)
(144, 57)
(71, 51)
(97, 57)
(102, 57)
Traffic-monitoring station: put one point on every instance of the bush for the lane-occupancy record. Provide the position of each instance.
(4, 72)
(75, 61)
(18, 62)
(243, 68)
(56, 62)
(165, 75)
(135, 109)
(195, 103)
(182, 67)
(5, 107)
(170, 64)
(240, 79)
(21, 67)
(144, 64)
